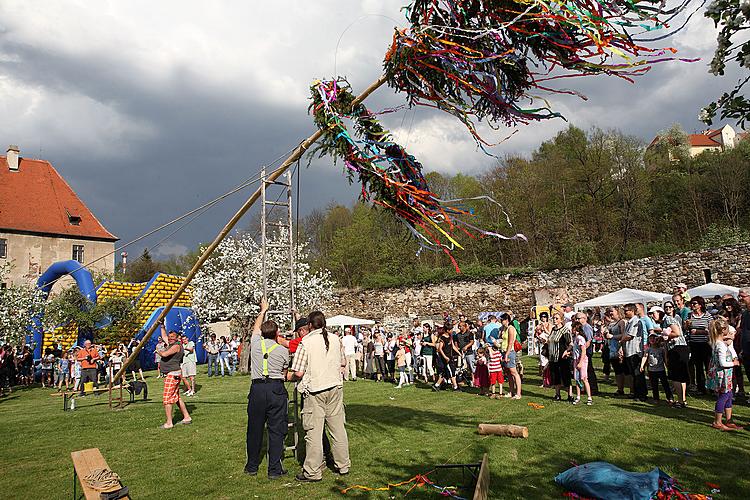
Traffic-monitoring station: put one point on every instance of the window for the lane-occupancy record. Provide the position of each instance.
(74, 219)
(78, 253)
(3, 248)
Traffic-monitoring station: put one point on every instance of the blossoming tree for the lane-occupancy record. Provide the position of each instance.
(18, 304)
(230, 283)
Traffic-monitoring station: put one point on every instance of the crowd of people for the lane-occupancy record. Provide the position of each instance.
(682, 346)
(62, 369)
(448, 354)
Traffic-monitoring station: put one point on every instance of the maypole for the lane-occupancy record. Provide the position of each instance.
(296, 155)
(478, 60)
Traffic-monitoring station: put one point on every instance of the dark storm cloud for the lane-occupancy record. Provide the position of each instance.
(144, 135)
(205, 143)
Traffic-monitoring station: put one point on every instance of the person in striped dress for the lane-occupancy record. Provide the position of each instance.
(699, 323)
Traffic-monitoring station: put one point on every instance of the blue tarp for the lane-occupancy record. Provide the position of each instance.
(604, 480)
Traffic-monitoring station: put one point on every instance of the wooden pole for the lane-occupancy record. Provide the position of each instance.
(296, 155)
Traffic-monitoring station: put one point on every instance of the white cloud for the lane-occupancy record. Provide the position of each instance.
(169, 248)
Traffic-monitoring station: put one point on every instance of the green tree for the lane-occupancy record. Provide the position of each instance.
(732, 43)
(141, 269)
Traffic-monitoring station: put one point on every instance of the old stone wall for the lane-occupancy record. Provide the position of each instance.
(729, 265)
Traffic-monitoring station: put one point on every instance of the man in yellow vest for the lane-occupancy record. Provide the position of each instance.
(268, 400)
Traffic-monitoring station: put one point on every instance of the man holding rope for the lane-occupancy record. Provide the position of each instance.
(267, 404)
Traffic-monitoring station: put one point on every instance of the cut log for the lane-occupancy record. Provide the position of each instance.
(507, 430)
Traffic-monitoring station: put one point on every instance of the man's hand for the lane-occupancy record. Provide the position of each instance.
(263, 305)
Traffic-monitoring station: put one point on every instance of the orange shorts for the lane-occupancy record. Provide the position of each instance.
(171, 393)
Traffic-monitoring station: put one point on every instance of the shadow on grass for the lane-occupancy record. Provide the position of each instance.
(361, 418)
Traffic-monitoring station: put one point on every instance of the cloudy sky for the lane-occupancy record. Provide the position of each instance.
(150, 109)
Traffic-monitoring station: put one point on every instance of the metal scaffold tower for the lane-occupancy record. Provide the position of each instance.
(278, 289)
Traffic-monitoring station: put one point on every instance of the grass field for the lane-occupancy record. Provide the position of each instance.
(394, 434)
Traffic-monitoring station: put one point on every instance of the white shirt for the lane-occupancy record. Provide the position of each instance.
(350, 345)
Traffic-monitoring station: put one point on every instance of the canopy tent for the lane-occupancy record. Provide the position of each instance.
(710, 290)
(343, 320)
(622, 296)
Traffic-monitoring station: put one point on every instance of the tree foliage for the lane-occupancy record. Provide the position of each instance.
(18, 304)
(732, 45)
(583, 197)
(109, 321)
(230, 282)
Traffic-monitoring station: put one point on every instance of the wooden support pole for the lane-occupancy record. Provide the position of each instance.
(296, 155)
(515, 431)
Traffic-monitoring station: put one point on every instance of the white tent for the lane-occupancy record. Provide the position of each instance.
(342, 320)
(622, 296)
(709, 290)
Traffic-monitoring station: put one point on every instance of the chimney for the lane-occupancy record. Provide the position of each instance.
(13, 158)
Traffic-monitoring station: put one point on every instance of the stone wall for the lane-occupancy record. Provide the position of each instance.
(729, 265)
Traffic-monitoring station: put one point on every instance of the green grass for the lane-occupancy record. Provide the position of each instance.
(394, 434)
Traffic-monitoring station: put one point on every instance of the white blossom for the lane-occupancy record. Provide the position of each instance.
(230, 282)
(18, 304)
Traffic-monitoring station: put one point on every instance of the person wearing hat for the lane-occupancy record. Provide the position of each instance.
(268, 401)
(212, 353)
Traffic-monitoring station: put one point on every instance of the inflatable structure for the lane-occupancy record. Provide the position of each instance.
(149, 299)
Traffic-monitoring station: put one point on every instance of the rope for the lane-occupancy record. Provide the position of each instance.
(420, 480)
(246, 183)
(102, 480)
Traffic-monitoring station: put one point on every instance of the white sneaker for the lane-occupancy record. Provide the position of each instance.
(398, 386)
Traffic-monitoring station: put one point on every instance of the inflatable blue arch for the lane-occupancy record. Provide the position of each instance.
(181, 319)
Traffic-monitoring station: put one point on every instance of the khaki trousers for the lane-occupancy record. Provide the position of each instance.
(319, 410)
(351, 366)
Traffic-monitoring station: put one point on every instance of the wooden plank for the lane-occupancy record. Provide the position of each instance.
(482, 489)
(84, 462)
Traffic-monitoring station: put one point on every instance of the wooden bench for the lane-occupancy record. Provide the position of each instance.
(68, 396)
(84, 462)
(482, 489)
(480, 472)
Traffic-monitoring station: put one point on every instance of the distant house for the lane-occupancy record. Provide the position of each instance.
(710, 140)
(42, 221)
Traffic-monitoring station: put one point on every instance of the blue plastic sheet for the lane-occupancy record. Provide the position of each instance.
(604, 480)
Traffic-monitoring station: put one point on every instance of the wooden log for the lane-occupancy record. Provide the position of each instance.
(507, 430)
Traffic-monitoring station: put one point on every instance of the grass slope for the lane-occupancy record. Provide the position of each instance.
(394, 434)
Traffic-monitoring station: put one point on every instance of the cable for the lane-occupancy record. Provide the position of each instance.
(247, 182)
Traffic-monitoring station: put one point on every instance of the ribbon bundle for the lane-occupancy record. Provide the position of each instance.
(389, 176)
(478, 59)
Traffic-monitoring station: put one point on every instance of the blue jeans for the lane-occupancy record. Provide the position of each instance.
(213, 364)
(224, 361)
(471, 363)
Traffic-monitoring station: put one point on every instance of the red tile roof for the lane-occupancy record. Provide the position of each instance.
(37, 199)
(703, 140)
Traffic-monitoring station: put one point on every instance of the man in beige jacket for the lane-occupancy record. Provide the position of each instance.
(318, 363)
